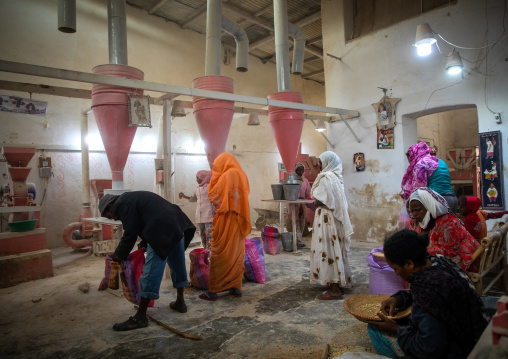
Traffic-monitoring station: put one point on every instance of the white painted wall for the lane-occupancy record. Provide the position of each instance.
(166, 54)
(387, 59)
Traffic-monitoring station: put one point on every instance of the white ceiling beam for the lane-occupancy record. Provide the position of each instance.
(78, 76)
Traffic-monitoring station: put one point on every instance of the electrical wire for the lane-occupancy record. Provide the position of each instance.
(487, 54)
(470, 48)
(501, 37)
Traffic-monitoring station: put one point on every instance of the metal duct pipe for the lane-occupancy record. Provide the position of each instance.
(281, 45)
(213, 41)
(242, 43)
(85, 161)
(117, 32)
(67, 16)
(86, 212)
(69, 238)
(299, 48)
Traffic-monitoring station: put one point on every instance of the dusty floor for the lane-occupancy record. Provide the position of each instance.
(52, 318)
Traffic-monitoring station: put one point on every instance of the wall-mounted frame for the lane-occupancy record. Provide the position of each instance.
(139, 110)
(385, 139)
(385, 112)
(359, 161)
(491, 170)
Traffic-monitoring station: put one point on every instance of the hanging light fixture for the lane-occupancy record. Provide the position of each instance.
(253, 119)
(177, 109)
(424, 39)
(320, 127)
(454, 63)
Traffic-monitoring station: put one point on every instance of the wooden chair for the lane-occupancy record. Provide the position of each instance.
(493, 258)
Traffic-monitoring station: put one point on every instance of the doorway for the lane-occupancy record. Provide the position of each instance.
(453, 133)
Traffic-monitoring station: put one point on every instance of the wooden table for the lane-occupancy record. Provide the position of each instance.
(292, 207)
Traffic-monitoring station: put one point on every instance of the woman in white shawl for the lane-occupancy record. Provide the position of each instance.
(329, 263)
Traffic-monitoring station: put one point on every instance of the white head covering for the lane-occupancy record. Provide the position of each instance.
(331, 162)
(328, 188)
(433, 206)
(298, 165)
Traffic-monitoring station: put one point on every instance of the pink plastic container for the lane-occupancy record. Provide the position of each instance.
(382, 278)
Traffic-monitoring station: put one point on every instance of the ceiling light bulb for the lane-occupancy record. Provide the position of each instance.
(424, 49)
(253, 119)
(424, 39)
(320, 127)
(177, 109)
(454, 70)
(454, 63)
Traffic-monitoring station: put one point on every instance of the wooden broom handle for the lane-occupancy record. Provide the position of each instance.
(176, 331)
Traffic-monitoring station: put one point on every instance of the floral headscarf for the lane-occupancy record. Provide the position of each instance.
(204, 176)
(421, 166)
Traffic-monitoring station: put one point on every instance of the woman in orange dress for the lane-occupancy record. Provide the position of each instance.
(229, 192)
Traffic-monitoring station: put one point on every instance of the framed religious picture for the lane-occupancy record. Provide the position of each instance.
(385, 112)
(359, 161)
(385, 139)
(139, 110)
(22, 105)
(491, 170)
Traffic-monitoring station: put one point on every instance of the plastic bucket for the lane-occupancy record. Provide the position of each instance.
(291, 192)
(382, 278)
(277, 191)
(287, 241)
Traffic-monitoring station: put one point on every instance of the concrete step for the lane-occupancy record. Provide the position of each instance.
(24, 267)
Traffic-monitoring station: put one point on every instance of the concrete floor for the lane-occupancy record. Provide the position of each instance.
(52, 318)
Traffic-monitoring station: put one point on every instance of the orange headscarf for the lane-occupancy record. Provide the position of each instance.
(229, 187)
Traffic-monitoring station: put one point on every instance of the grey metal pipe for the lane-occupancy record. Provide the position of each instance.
(85, 161)
(299, 48)
(242, 43)
(117, 32)
(281, 45)
(67, 16)
(213, 40)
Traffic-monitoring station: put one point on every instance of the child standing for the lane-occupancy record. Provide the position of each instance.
(204, 209)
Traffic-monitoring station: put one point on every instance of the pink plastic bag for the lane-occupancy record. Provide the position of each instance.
(254, 260)
(129, 270)
(199, 268)
(271, 243)
(404, 219)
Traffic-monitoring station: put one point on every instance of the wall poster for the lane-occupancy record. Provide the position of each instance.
(491, 170)
(385, 139)
(22, 105)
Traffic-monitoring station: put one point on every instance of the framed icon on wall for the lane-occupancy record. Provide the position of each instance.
(359, 161)
(139, 110)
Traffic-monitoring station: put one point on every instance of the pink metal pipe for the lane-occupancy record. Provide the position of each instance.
(67, 236)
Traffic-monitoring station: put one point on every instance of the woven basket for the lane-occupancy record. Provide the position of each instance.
(365, 306)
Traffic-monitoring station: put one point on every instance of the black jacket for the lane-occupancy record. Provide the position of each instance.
(158, 222)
